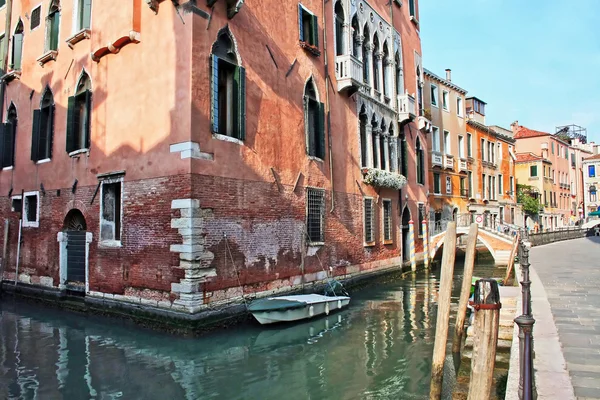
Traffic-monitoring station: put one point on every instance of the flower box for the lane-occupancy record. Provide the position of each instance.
(380, 178)
(314, 50)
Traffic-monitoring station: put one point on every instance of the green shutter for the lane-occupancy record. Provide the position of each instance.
(2, 133)
(35, 136)
(71, 126)
(17, 51)
(86, 14)
(50, 130)
(300, 25)
(320, 132)
(214, 94)
(54, 24)
(315, 30)
(404, 158)
(240, 85)
(8, 158)
(88, 119)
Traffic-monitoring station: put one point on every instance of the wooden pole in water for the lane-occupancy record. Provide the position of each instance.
(485, 341)
(4, 251)
(465, 291)
(443, 312)
(411, 238)
(425, 245)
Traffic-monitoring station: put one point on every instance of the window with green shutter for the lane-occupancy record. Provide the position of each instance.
(43, 129)
(84, 14)
(314, 114)
(403, 158)
(8, 132)
(228, 89)
(79, 117)
(308, 27)
(52, 27)
(533, 171)
(17, 47)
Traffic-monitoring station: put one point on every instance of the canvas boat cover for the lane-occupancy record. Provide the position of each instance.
(275, 304)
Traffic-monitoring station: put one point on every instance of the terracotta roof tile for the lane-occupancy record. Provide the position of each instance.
(529, 157)
(523, 133)
(594, 157)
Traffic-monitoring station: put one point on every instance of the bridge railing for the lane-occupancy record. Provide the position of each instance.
(484, 220)
(557, 235)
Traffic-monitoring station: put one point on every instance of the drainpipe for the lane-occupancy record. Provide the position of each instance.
(327, 106)
(4, 63)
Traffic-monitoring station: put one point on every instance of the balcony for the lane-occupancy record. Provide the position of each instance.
(406, 108)
(349, 73)
(424, 125)
(448, 161)
(544, 146)
(488, 164)
(462, 165)
(464, 193)
(436, 159)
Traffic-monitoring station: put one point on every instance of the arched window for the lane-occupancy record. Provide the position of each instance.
(365, 55)
(8, 137)
(52, 26)
(375, 62)
(355, 42)
(79, 116)
(420, 163)
(83, 15)
(339, 29)
(17, 47)
(392, 148)
(363, 120)
(374, 142)
(403, 156)
(382, 147)
(386, 60)
(228, 94)
(43, 128)
(419, 91)
(399, 77)
(314, 121)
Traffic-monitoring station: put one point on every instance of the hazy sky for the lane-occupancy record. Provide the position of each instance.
(534, 61)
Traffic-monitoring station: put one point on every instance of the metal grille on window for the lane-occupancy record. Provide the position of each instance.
(35, 17)
(368, 220)
(315, 215)
(421, 218)
(387, 220)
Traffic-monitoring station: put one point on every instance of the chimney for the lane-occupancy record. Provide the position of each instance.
(448, 74)
(515, 126)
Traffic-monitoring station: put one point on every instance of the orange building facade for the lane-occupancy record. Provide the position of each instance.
(194, 159)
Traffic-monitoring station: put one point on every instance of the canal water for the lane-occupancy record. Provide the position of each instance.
(378, 348)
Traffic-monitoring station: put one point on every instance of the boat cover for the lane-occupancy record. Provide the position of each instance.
(275, 305)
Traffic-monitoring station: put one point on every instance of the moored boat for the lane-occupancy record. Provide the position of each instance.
(295, 307)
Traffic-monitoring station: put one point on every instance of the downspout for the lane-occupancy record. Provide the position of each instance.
(4, 62)
(327, 106)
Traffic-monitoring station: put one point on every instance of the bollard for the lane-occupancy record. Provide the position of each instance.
(411, 239)
(525, 323)
(443, 312)
(466, 289)
(487, 320)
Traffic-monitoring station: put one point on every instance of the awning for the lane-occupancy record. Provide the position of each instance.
(594, 214)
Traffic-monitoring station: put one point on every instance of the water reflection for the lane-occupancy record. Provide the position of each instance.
(380, 347)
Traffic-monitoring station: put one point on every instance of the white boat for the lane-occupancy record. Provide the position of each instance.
(295, 308)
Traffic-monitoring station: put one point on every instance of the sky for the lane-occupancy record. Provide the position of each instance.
(534, 61)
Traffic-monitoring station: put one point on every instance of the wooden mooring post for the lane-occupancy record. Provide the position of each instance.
(443, 312)
(465, 291)
(487, 318)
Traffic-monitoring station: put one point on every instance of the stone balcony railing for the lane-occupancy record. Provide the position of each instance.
(424, 125)
(406, 108)
(436, 159)
(349, 72)
(462, 164)
(448, 161)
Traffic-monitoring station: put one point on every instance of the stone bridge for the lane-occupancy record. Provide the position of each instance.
(498, 244)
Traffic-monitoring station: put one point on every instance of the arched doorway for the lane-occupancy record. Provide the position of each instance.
(405, 234)
(74, 251)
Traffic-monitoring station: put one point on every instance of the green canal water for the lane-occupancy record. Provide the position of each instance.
(378, 348)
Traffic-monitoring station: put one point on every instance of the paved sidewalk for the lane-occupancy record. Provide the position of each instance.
(570, 274)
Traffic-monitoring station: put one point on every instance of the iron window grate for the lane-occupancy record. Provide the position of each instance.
(387, 220)
(315, 215)
(369, 220)
(35, 17)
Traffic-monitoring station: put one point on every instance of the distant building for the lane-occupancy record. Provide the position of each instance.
(534, 171)
(591, 184)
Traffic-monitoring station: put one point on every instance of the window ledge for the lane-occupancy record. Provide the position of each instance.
(434, 105)
(47, 56)
(27, 224)
(446, 109)
(7, 168)
(78, 152)
(226, 138)
(314, 50)
(12, 75)
(78, 37)
(414, 20)
(110, 244)
(315, 158)
(386, 242)
(316, 244)
(369, 244)
(44, 161)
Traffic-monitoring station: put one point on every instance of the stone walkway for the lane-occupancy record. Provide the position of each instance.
(570, 274)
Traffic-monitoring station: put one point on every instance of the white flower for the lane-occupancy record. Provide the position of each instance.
(380, 178)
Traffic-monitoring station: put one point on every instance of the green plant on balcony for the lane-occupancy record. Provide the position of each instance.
(427, 113)
(527, 196)
(380, 178)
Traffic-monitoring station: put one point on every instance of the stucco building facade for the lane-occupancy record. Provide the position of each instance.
(195, 156)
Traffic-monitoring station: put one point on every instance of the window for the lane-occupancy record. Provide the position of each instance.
(448, 185)
(491, 156)
(483, 158)
(369, 221)
(447, 149)
(411, 8)
(8, 137)
(573, 160)
(533, 170)
(403, 158)
(16, 204)
(445, 100)
(499, 151)
(436, 138)
(43, 129)
(315, 215)
(31, 210)
(339, 29)
(463, 190)
(434, 95)
(17, 47)
(83, 15)
(314, 116)
(228, 92)
(309, 29)
(421, 218)
(2, 50)
(552, 147)
(592, 171)
(437, 183)
(593, 196)
(110, 211)
(52, 27)
(2, 3)
(470, 177)
(483, 186)
(500, 185)
(469, 145)
(35, 17)
(461, 146)
(366, 53)
(512, 185)
(375, 63)
(459, 107)
(79, 116)
(420, 164)
(491, 192)
(363, 140)
(387, 220)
